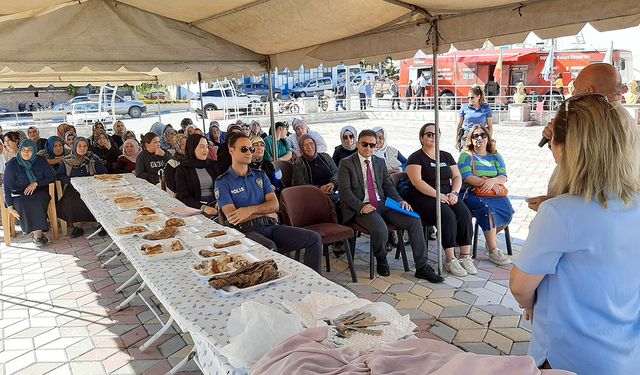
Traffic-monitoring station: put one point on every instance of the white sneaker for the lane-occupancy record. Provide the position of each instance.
(455, 268)
(498, 257)
(467, 263)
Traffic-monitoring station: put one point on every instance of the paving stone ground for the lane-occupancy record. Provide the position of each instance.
(57, 305)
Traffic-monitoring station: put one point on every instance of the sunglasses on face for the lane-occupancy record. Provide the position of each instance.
(479, 136)
(430, 134)
(347, 136)
(367, 144)
(245, 149)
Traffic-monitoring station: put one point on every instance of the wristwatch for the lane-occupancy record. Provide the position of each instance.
(454, 192)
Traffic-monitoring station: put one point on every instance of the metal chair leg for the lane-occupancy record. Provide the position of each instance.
(475, 240)
(325, 250)
(352, 268)
(105, 264)
(105, 249)
(371, 263)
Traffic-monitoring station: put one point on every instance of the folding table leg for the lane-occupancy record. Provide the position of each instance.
(157, 335)
(94, 233)
(133, 295)
(127, 283)
(105, 264)
(347, 248)
(105, 249)
(174, 370)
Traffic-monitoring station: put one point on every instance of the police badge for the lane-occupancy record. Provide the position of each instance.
(259, 182)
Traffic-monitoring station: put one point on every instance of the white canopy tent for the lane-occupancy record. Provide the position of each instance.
(169, 40)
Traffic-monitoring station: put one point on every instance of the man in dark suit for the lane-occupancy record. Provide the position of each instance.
(364, 185)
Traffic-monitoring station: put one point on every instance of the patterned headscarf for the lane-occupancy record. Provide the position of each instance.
(137, 150)
(27, 164)
(73, 160)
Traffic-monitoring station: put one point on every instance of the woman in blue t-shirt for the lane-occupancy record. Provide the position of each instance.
(477, 112)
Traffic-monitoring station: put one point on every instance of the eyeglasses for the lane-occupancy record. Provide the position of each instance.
(245, 149)
(479, 136)
(430, 134)
(347, 136)
(367, 144)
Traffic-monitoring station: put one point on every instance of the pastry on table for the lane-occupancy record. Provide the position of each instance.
(162, 234)
(145, 219)
(215, 233)
(127, 199)
(175, 222)
(131, 229)
(176, 246)
(152, 249)
(108, 177)
(145, 211)
(227, 244)
(210, 254)
(254, 274)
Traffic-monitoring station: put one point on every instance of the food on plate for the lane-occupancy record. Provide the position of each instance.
(175, 222)
(131, 204)
(108, 177)
(227, 244)
(146, 219)
(126, 199)
(215, 233)
(239, 261)
(132, 229)
(162, 234)
(176, 246)
(145, 211)
(210, 254)
(151, 249)
(254, 274)
(212, 267)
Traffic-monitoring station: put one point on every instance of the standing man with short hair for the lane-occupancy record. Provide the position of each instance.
(249, 204)
(422, 88)
(364, 185)
(395, 94)
(408, 94)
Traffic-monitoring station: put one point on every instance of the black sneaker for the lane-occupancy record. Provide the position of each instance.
(382, 267)
(76, 232)
(431, 233)
(427, 273)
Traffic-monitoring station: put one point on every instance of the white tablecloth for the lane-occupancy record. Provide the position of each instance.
(195, 306)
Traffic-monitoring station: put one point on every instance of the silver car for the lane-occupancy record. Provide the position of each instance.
(133, 108)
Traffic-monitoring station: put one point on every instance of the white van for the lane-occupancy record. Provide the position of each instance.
(314, 86)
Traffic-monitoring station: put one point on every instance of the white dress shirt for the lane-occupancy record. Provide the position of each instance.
(364, 175)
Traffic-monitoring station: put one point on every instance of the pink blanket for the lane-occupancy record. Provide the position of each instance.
(304, 354)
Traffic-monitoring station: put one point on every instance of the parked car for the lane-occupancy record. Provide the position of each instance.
(259, 89)
(66, 105)
(315, 86)
(133, 108)
(218, 99)
(156, 95)
(86, 113)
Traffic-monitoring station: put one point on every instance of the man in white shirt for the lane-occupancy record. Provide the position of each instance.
(364, 185)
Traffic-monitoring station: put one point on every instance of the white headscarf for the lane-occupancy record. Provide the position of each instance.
(388, 153)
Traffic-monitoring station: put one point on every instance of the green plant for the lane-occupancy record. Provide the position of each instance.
(72, 91)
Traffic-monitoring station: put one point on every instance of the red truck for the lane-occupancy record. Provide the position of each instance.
(459, 71)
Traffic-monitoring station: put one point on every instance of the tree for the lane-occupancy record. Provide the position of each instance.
(388, 68)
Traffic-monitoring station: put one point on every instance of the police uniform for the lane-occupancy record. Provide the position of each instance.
(251, 190)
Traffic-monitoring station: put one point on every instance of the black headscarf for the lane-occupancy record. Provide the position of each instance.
(190, 153)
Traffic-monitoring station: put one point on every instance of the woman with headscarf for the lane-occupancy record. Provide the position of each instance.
(34, 134)
(97, 127)
(190, 129)
(152, 159)
(103, 148)
(158, 128)
(80, 163)
(168, 139)
(195, 176)
(347, 146)
(118, 133)
(129, 135)
(69, 140)
(215, 135)
(256, 130)
(173, 163)
(394, 160)
(53, 151)
(63, 128)
(258, 162)
(126, 162)
(315, 168)
(26, 193)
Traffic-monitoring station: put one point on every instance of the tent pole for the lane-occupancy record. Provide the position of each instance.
(158, 101)
(436, 120)
(204, 126)
(272, 119)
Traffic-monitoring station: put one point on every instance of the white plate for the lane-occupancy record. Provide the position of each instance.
(139, 204)
(167, 245)
(231, 291)
(245, 245)
(192, 267)
(190, 222)
(129, 219)
(115, 233)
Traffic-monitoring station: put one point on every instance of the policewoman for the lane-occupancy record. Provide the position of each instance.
(249, 204)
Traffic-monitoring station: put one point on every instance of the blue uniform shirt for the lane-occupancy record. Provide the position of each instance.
(242, 191)
(475, 116)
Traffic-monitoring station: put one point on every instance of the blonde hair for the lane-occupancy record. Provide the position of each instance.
(599, 161)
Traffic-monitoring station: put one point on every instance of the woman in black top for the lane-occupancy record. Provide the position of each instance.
(196, 175)
(456, 217)
(347, 146)
(34, 134)
(178, 157)
(118, 133)
(315, 168)
(152, 159)
(105, 149)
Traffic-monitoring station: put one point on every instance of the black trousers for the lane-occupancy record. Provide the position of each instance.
(284, 238)
(457, 229)
(395, 100)
(363, 101)
(376, 224)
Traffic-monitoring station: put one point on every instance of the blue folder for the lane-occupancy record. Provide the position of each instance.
(394, 205)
